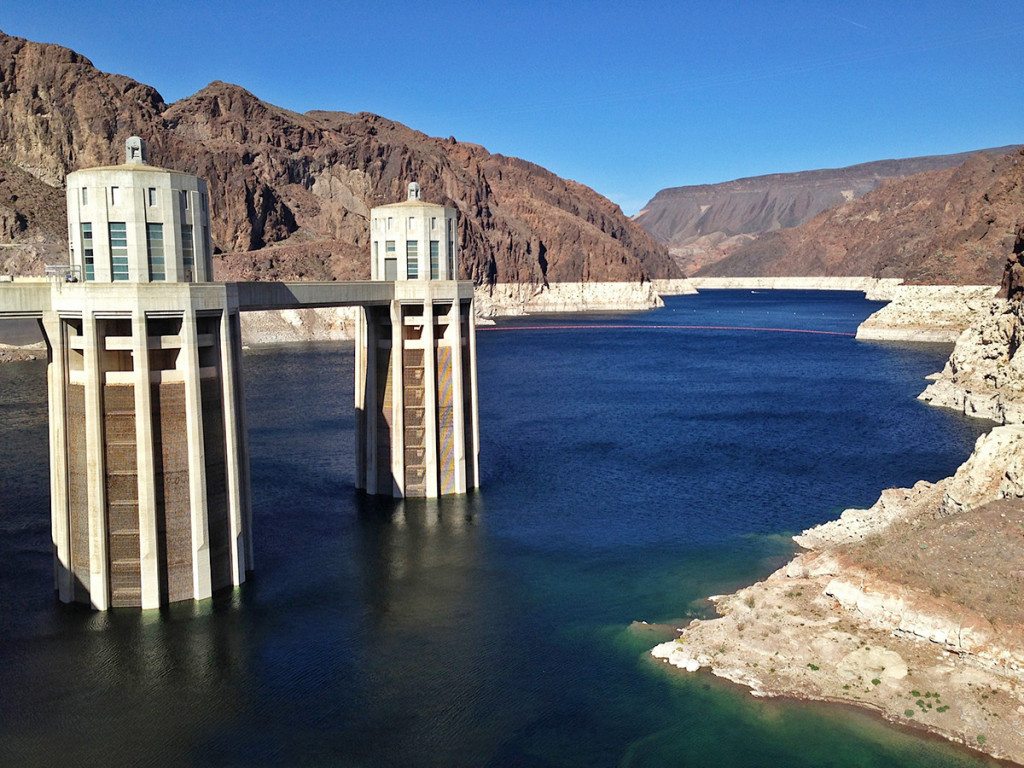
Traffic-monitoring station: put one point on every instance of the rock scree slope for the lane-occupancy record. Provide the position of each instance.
(290, 193)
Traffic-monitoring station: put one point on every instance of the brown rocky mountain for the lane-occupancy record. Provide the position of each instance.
(291, 192)
(705, 223)
(953, 226)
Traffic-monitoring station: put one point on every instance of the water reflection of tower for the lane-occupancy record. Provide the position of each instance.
(148, 685)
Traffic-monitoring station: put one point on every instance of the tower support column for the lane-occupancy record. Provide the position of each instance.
(95, 450)
(201, 582)
(57, 383)
(149, 545)
(419, 421)
(429, 401)
(458, 394)
(397, 402)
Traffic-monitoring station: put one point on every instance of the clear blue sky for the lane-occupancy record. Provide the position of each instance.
(627, 97)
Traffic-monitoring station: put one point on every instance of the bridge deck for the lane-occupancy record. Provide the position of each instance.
(33, 298)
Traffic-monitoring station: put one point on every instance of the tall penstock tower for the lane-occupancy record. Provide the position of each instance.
(416, 379)
(149, 467)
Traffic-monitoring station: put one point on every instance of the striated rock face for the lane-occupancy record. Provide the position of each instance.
(296, 326)
(929, 313)
(703, 224)
(946, 227)
(505, 299)
(290, 192)
(874, 289)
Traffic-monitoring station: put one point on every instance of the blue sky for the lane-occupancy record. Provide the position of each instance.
(627, 97)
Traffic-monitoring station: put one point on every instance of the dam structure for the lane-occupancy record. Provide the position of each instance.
(149, 466)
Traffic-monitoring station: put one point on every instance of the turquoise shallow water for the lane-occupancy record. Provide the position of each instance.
(628, 473)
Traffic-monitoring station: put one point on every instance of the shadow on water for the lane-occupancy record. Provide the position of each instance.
(625, 477)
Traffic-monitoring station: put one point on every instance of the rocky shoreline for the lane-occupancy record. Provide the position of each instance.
(928, 313)
(913, 608)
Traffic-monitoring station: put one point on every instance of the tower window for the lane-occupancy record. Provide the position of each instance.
(391, 222)
(412, 264)
(115, 195)
(412, 222)
(390, 261)
(183, 196)
(155, 249)
(118, 233)
(85, 196)
(435, 259)
(152, 195)
(88, 262)
(188, 253)
(433, 222)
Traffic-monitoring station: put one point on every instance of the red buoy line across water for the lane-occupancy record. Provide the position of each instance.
(641, 327)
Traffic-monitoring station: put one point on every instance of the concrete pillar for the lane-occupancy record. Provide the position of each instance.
(397, 402)
(149, 547)
(429, 401)
(367, 398)
(233, 472)
(56, 379)
(474, 458)
(202, 586)
(458, 395)
(362, 354)
(243, 437)
(99, 567)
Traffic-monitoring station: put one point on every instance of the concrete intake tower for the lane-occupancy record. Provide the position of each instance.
(416, 394)
(149, 472)
(149, 465)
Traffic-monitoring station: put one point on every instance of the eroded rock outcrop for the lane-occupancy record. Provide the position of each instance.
(984, 377)
(931, 313)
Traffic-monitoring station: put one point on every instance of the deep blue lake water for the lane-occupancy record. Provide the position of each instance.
(627, 474)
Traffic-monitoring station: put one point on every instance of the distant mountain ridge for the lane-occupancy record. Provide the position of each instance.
(951, 226)
(290, 193)
(704, 223)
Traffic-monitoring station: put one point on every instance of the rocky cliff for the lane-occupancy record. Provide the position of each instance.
(291, 192)
(703, 224)
(952, 226)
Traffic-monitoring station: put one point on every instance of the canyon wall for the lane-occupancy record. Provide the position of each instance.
(290, 193)
(946, 227)
(703, 224)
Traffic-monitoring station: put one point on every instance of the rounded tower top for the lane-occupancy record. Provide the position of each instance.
(138, 223)
(134, 151)
(413, 239)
